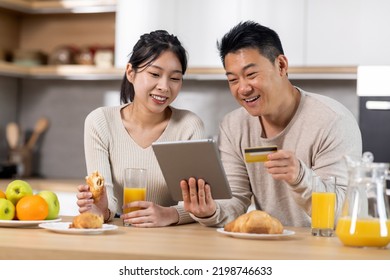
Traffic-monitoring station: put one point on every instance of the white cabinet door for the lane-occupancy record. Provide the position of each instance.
(348, 32)
(200, 23)
(333, 32)
(285, 17)
(373, 32)
(134, 18)
(197, 23)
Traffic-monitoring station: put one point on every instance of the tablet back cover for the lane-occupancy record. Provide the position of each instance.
(193, 158)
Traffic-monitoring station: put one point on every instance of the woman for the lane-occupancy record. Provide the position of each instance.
(119, 137)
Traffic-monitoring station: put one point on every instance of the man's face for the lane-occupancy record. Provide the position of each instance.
(254, 81)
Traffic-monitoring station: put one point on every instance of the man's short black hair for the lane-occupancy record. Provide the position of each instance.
(250, 34)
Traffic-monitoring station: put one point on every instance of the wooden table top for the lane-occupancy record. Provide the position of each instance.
(186, 242)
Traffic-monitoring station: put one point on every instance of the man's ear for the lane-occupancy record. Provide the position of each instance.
(130, 73)
(282, 63)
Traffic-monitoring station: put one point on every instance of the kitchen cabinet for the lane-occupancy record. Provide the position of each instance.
(328, 33)
(134, 18)
(287, 18)
(316, 35)
(350, 32)
(332, 32)
(200, 23)
(374, 42)
(45, 25)
(189, 20)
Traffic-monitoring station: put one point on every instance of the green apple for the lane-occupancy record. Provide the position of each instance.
(18, 189)
(53, 202)
(7, 209)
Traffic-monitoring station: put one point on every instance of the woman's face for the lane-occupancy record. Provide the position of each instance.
(157, 85)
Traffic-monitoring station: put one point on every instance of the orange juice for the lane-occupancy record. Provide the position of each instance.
(133, 194)
(367, 232)
(323, 208)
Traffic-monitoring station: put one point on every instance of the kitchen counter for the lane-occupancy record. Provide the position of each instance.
(191, 241)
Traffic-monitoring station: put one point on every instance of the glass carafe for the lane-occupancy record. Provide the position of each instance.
(365, 216)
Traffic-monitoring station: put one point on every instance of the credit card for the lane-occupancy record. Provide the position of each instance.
(258, 154)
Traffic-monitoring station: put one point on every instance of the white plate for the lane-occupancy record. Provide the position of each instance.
(63, 227)
(17, 223)
(255, 235)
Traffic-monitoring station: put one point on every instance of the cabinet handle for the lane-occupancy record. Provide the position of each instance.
(378, 105)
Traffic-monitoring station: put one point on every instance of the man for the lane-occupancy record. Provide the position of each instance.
(313, 133)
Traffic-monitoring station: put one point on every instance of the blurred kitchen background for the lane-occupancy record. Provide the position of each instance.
(61, 59)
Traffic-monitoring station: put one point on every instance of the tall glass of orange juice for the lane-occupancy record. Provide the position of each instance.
(134, 188)
(323, 202)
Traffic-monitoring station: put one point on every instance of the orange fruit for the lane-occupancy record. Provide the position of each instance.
(2, 194)
(32, 207)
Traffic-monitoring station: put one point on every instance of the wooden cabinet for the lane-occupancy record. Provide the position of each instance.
(46, 25)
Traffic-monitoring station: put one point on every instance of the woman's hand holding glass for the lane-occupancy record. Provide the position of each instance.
(149, 215)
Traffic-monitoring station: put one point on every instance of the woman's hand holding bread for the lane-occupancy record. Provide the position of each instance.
(95, 181)
(91, 197)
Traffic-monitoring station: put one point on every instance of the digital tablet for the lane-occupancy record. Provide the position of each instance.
(200, 159)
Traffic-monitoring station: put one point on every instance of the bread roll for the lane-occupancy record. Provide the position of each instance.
(87, 220)
(255, 221)
(95, 181)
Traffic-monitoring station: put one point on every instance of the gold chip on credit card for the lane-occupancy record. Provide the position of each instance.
(258, 154)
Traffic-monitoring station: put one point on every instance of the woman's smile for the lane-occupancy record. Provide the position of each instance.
(158, 98)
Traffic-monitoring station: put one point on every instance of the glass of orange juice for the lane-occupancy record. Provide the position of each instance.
(134, 188)
(323, 202)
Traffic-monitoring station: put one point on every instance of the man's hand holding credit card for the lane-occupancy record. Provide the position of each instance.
(258, 154)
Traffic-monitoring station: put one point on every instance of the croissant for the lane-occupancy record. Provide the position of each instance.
(87, 220)
(95, 181)
(255, 221)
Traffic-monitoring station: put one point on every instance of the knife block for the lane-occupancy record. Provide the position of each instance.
(22, 157)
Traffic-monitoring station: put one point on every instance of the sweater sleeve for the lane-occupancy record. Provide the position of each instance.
(96, 139)
(342, 137)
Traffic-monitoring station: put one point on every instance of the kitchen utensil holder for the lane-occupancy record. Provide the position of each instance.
(22, 157)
